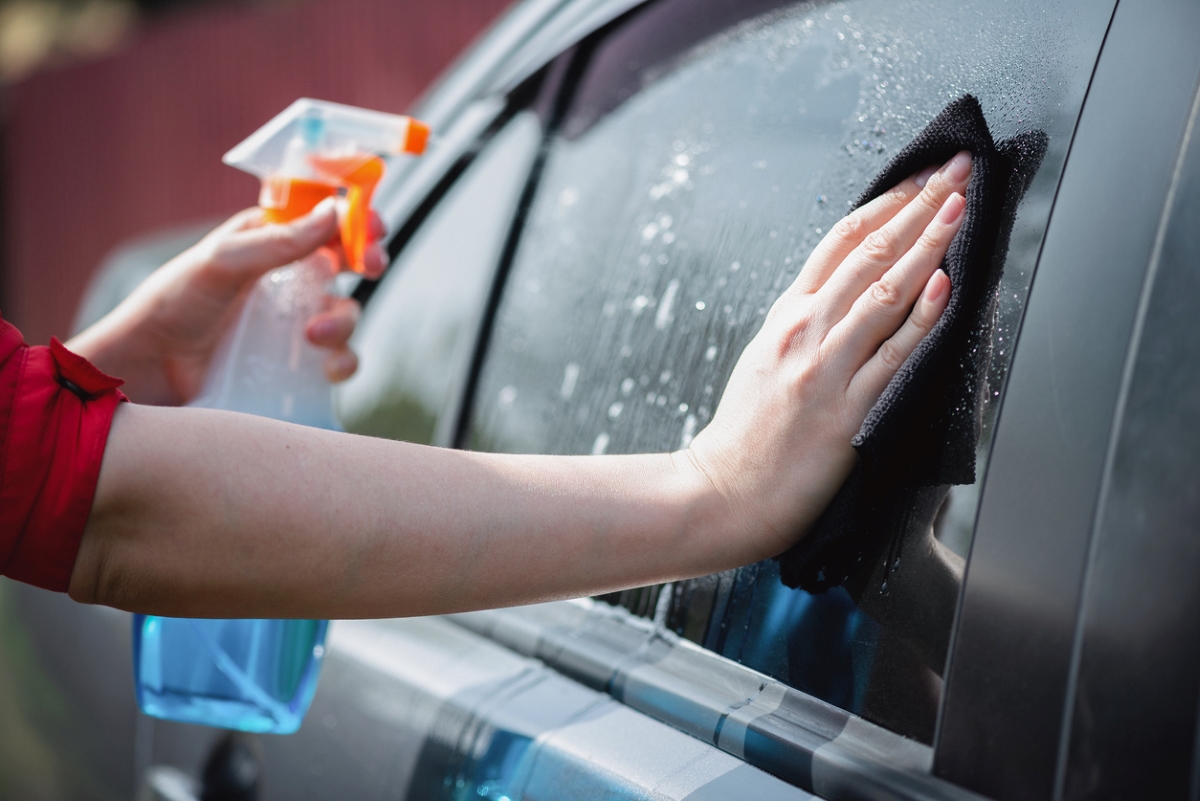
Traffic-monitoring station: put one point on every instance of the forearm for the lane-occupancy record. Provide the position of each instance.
(211, 514)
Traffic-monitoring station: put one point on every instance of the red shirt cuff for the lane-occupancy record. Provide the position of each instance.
(59, 411)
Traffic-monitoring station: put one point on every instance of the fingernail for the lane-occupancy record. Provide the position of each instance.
(924, 175)
(936, 287)
(952, 209)
(382, 252)
(323, 329)
(344, 363)
(322, 208)
(958, 169)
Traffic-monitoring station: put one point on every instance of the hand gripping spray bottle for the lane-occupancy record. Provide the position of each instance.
(260, 675)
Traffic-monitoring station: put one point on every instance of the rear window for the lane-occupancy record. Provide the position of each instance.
(705, 148)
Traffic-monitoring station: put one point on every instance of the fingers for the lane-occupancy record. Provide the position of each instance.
(882, 248)
(375, 261)
(243, 220)
(254, 250)
(879, 311)
(340, 365)
(376, 230)
(375, 258)
(849, 232)
(332, 328)
(868, 384)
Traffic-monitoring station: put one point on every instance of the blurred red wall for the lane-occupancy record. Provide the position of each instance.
(99, 152)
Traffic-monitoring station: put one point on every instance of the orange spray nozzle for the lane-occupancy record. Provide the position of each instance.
(358, 175)
(314, 150)
(284, 198)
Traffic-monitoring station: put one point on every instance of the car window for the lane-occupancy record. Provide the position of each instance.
(417, 335)
(706, 148)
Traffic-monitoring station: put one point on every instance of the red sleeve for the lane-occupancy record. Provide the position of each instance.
(55, 412)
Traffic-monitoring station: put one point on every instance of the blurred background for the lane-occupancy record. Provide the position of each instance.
(114, 115)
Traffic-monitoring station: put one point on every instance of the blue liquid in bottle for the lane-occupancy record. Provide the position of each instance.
(250, 675)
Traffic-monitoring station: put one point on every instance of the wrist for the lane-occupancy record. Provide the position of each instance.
(717, 536)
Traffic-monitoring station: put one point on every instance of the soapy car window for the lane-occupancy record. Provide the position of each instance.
(706, 149)
(418, 333)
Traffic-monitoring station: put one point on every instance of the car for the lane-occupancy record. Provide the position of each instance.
(618, 192)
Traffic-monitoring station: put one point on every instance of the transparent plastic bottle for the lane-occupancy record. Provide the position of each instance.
(251, 675)
(260, 675)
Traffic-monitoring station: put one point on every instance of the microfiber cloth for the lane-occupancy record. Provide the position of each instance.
(923, 431)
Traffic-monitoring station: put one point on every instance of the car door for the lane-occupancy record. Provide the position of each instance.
(687, 156)
(702, 151)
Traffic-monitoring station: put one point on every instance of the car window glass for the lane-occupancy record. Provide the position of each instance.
(417, 335)
(706, 149)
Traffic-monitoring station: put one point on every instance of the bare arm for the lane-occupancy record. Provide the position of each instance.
(271, 519)
(204, 513)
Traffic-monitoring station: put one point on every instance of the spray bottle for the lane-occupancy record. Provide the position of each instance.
(260, 675)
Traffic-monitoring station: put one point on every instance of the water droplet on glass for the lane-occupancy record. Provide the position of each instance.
(689, 431)
(665, 315)
(570, 376)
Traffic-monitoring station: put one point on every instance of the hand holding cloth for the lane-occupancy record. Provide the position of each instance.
(923, 431)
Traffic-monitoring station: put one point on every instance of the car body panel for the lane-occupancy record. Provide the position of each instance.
(1012, 653)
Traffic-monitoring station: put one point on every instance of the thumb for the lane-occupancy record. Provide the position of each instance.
(254, 251)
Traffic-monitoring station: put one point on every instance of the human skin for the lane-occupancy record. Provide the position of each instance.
(207, 513)
(161, 338)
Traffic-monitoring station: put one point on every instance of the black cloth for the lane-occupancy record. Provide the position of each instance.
(924, 429)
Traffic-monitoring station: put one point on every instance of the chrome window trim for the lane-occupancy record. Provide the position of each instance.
(782, 731)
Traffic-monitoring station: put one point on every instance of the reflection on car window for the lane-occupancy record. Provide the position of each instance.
(702, 156)
(417, 336)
